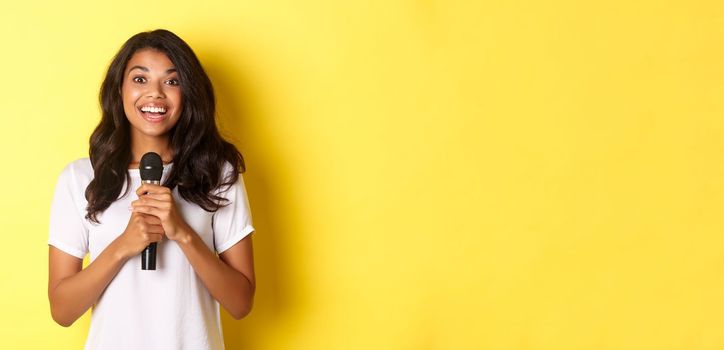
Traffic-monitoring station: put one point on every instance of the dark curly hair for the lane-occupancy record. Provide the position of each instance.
(199, 151)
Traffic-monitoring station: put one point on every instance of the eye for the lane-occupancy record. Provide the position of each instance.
(172, 81)
(139, 80)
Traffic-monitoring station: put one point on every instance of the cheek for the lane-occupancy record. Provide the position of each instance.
(129, 97)
(178, 100)
(176, 95)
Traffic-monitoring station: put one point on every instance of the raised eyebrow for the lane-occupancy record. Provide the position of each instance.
(145, 69)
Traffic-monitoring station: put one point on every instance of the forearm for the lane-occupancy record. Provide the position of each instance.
(231, 288)
(73, 296)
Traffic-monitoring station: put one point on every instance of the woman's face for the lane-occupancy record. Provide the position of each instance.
(151, 94)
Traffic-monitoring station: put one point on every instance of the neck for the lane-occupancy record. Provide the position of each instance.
(141, 144)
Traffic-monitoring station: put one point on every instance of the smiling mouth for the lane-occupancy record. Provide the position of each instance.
(153, 113)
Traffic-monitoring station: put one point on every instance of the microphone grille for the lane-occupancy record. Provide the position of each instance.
(151, 167)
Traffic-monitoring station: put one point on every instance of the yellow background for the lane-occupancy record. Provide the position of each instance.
(422, 174)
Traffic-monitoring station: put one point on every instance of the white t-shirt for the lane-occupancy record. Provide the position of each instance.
(166, 308)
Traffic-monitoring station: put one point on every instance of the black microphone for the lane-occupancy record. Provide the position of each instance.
(151, 169)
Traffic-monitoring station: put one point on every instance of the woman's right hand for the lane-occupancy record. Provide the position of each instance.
(141, 231)
(72, 290)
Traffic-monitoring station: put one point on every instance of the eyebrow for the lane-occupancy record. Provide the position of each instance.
(145, 69)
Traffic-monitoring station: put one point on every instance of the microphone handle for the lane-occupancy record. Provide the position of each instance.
(148, 255)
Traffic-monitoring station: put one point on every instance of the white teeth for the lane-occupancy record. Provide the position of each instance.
(153, 109)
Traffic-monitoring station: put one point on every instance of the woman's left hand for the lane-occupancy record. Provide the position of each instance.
(158, 201)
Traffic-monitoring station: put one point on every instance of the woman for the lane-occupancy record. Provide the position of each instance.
(156, 97)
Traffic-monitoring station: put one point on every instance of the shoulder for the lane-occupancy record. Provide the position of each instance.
(229, 174)
(77, 171)
(227, 169)
(73, 181)
(230, 178)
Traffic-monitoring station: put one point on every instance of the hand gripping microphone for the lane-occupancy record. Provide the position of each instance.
(151, 169)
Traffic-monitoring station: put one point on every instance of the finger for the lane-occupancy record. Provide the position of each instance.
(154, 237)
(166, 197)
(155, 229)
(147, 188)
(147, 210)
(156, 203)
(151, 219)
(145, 218)
(143, 189)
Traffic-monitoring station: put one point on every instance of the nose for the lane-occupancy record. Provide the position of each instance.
(155, 90)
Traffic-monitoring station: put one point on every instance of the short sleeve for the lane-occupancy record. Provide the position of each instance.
(67, 230)
(233, 222)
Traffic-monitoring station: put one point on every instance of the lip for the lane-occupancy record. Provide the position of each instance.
(153, 118)
(150, 117)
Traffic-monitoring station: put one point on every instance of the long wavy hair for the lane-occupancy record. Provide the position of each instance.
(199, 151)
